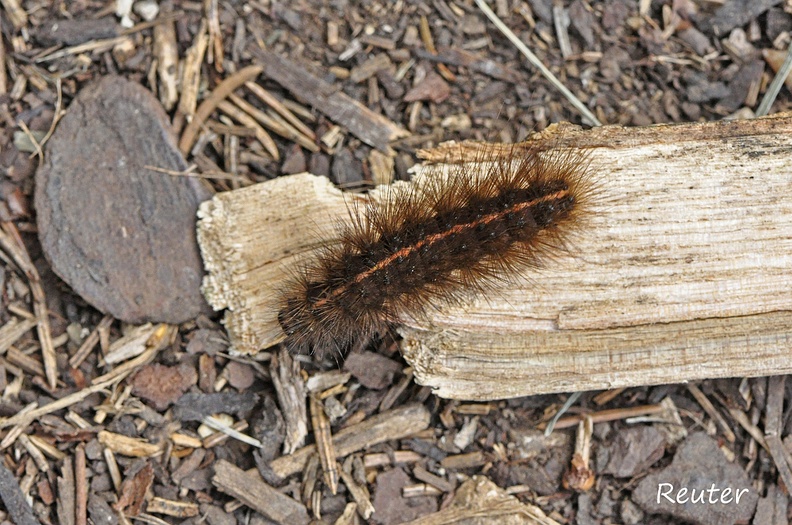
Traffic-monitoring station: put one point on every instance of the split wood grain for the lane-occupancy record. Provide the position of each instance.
(682, 270)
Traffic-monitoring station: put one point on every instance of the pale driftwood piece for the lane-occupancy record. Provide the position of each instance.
(681, 271)
(251, 490)
(479, 501)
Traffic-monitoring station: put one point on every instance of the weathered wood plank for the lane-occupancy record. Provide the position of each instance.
(682, 270)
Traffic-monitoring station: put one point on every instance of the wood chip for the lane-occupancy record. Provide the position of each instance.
(18, 17)
(167, 54)
(246, 120)
(66, 401)
(369, 68)
(277, 125)
(65, 503)
(324, 444)
(12, 244)
(290, 387)
(359, 493)
(90, 342)
(191, 77)
(207, 107)
(463, 461)
(13, 330)
(251, 490)
(372, 128)
(127, 446)
(177, 509)
(81, 487)
(282, 109)
(76, 31)
(393, 424)
(133, 491)
(712, 412)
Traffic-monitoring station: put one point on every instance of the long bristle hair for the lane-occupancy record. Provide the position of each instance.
(434, 242)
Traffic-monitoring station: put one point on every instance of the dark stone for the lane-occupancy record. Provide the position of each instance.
(614, 14)
(700, 89)
(749, 75)
(373, 370)
(100, 512)
(583, 21)
(121, 235)
(76, 31)
(319, 164)
(394, 508)
(295, 161)
(733, 14)
(632, 452)
(697, 40)
(206, 341)
(432, 88)
(346, 170)
(614, 60)
(194, 407)
(268, 427)
(584, 510)
(777, 22)
(543, 10)
(699, 467)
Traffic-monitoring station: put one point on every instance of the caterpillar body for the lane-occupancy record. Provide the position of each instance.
(436, 241)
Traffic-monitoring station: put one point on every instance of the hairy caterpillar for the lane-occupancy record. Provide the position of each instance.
(434, 242)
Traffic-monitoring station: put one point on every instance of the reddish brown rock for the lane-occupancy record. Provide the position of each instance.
(163, 385)
(120, 234)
